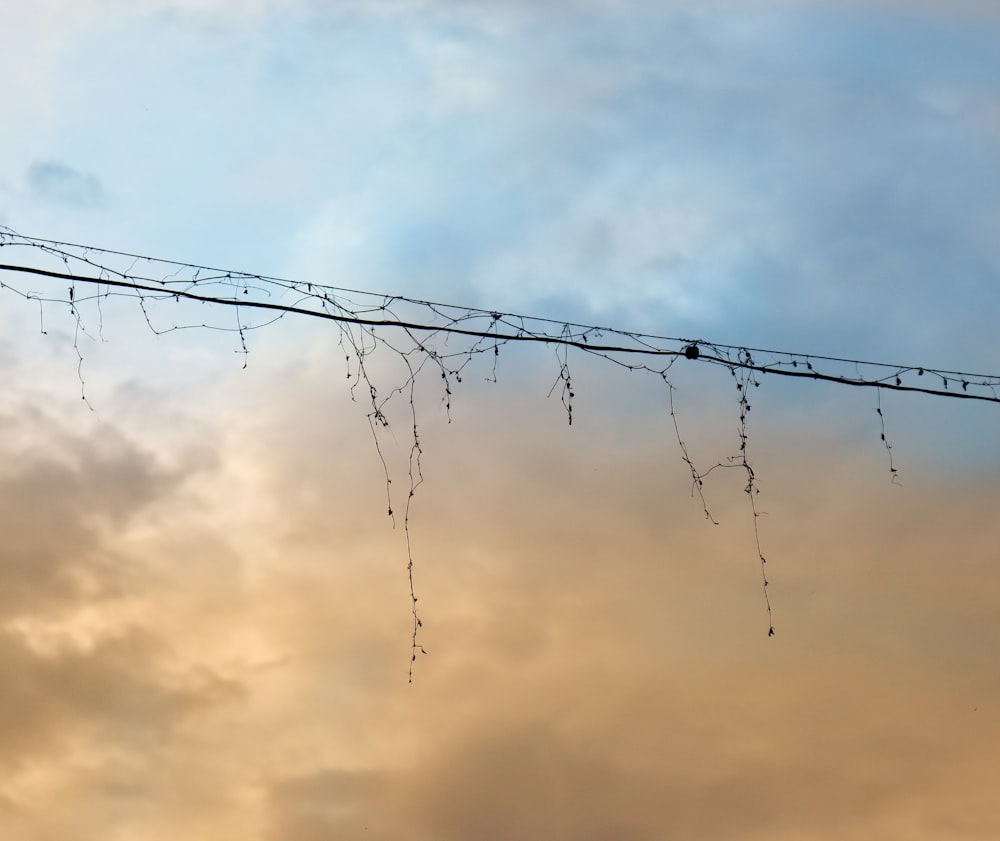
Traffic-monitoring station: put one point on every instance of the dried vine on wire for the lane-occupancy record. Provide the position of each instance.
(434, 337)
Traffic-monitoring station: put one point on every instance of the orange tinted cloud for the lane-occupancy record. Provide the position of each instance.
(598, 662)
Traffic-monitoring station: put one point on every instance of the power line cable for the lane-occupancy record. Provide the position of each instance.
(371, 311)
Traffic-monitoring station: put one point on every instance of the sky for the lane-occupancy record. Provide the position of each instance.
(205, 617)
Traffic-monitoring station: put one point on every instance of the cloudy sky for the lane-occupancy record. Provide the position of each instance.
(205, 621)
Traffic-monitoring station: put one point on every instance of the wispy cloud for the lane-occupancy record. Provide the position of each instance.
(57, 182)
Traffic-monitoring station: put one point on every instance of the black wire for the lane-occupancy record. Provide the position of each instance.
(572, 334)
